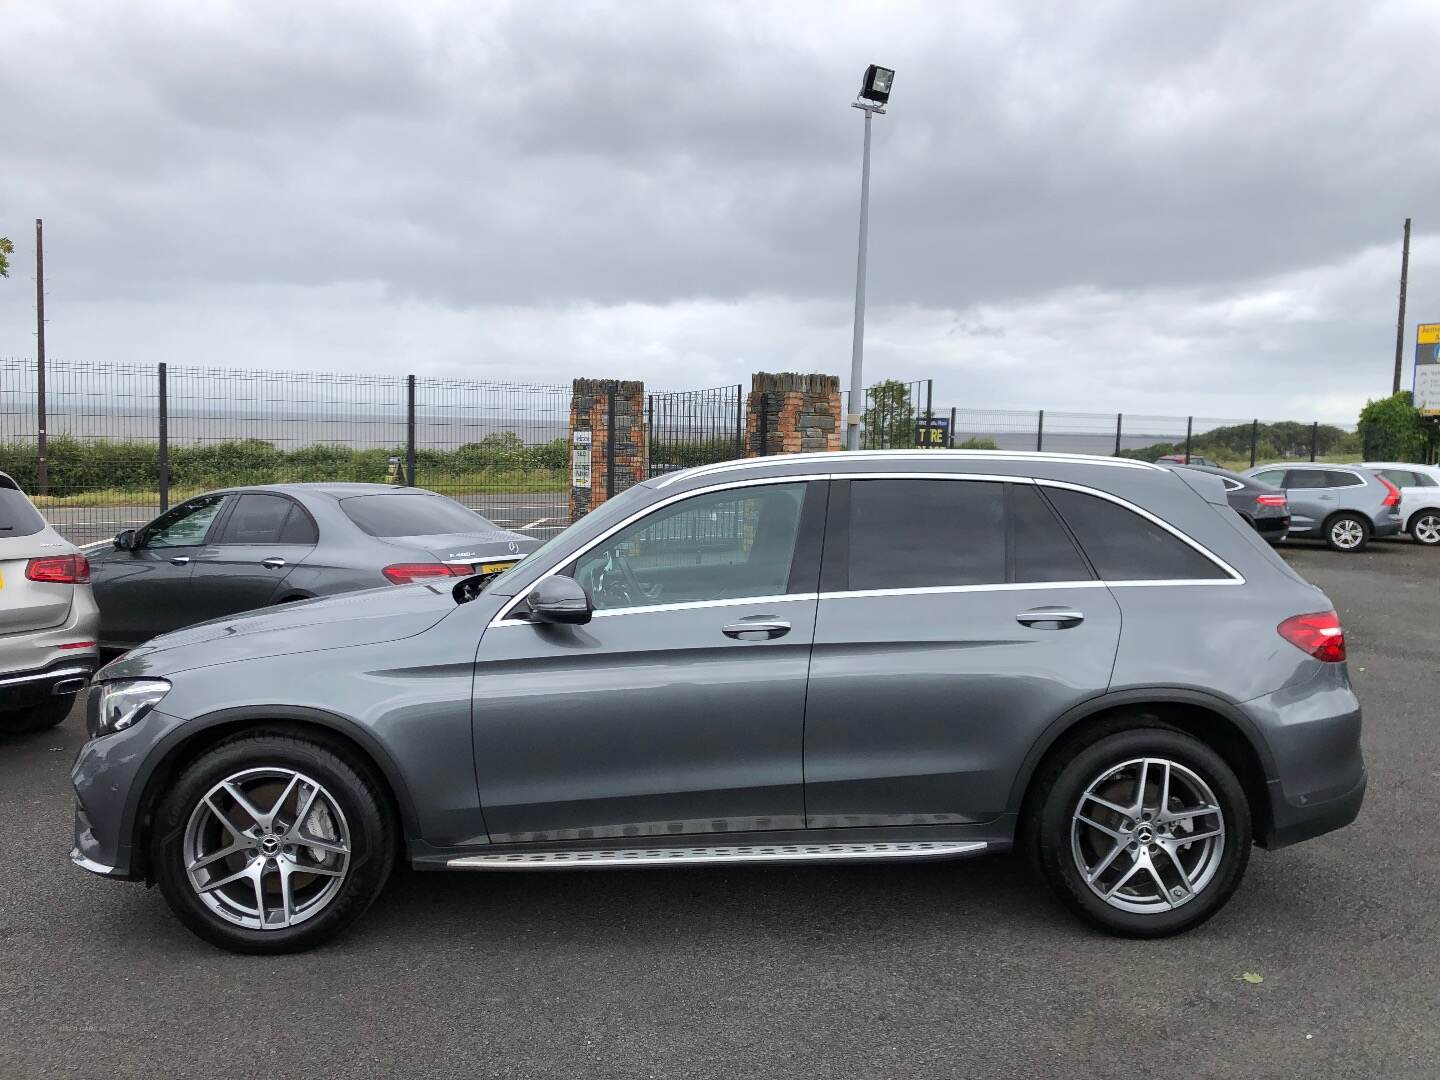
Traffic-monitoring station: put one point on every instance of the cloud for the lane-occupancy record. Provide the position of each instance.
(1122, 205)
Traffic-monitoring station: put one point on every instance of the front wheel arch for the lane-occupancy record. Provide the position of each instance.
(195, 737)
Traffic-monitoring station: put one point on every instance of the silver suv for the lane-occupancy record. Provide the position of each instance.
(1344, 505)
(807, 658)
(48, 618)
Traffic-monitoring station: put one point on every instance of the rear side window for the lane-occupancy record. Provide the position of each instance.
(17, 516)
(408, 513)
(907, 534)
(1343, 479)
(259, 518)
(1300, 479)
(1123, 546)
(1040, 548)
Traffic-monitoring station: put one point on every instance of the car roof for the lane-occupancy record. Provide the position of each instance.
(335, 490)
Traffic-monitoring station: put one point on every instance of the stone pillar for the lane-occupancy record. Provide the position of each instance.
(594, 445)
(803, 414)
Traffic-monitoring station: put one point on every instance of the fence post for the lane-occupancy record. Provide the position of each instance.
(1314, 433)
(163, 456)
(1189, 432)
(739, 420)
(410, 430)
(611, 393)
(950, 437)
(1254, 439)
(764, 427)
(929, 398)
(650, 430)
(1119, 426)
(1040, 432)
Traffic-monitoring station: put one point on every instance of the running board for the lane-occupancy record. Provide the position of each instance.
(705, 856)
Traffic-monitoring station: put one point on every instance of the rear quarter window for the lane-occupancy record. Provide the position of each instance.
(17, 516)
(1123, 546)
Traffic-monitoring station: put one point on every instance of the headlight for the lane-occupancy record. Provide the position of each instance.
(116, 705)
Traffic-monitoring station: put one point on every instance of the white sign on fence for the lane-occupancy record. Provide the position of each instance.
(580, 459)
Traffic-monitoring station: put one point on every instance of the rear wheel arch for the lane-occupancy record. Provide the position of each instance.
(1212, 721)
(197, 736)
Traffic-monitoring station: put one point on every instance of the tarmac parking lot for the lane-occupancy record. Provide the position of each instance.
(925, 970)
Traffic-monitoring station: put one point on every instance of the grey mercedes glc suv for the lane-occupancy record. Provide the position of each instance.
(843, 657)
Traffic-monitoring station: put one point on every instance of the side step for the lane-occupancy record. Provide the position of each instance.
(703, 856)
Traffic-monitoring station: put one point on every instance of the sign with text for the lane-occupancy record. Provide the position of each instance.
(580, 459)
(932, 432)
(1427, 368)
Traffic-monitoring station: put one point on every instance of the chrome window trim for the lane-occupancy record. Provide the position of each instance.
(1235, 577)
(955, 456)
(501, 617)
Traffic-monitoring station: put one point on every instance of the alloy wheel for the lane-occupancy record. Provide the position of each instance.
(267, 848)
(1147, 835)
(1347, 533)
(1426, 529)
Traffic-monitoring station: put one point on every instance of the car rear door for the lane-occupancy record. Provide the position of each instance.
(260, 542)
(1312, 498)
(957, 620)
(679, 708)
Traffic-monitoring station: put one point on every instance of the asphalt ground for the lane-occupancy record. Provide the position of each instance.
(939, 970)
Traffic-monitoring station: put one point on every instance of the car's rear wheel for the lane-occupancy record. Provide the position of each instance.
(36, 717)
(1143, 832)
(1425, 528)
(1347, 532)
(271, 843)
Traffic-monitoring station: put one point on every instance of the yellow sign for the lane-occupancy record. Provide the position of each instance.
(1427, 334)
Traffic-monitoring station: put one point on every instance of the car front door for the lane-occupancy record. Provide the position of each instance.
(145, 590)
(679, 708)
(263, 538)
(1312, 498)
(957, 620)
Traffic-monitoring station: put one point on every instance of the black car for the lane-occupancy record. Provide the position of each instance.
(1263, 506)
(243, 548)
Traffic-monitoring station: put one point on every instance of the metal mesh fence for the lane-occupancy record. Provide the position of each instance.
(695, 427)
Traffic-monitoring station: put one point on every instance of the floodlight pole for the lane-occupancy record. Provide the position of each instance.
(857, 347)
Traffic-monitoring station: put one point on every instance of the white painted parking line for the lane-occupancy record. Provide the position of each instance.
(532, 524)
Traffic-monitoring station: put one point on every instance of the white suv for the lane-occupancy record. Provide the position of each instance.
(1419, 497)
(48, 618)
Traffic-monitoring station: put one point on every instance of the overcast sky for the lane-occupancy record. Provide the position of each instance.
(1154, 208)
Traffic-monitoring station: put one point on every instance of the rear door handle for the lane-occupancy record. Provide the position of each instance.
(755, 625)
(1051, 618)
(181, 560)
(272, 563)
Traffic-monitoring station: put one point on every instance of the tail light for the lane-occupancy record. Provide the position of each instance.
(1318, 634)
(406, 572)
(60, 570)
(1271, 500)
(1393, 496)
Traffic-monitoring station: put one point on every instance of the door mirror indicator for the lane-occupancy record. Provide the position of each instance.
(124, 540)
(560, 600)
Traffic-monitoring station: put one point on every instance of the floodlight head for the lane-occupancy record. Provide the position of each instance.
(876, 87)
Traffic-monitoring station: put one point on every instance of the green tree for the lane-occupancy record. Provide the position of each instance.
(6, 250)
(889, 420)
(1393, 430)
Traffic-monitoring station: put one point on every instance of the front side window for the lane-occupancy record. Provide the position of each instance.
(723, 545)
(1123, 546)
(185, 526)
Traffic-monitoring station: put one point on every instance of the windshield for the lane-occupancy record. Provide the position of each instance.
(409, 513)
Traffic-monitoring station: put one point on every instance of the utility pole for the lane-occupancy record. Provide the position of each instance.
(1400, 323)
(42, 471)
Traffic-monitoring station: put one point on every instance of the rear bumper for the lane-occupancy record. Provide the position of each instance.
(62, 678)
(1291, 823)
(1387, 528)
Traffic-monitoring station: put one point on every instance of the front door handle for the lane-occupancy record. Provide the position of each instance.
(1051, 618)
(750, 629)
(181, 560)
(272, 563)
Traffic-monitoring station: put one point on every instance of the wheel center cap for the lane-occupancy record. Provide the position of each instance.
(1144, 834)
(270, 845)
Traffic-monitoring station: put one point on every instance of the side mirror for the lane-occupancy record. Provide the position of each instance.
(560, 600)
(125, 540)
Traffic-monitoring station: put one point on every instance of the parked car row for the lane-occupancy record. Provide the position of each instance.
(215, 555)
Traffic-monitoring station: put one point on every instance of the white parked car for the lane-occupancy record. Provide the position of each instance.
(48, 618)
(1419, 497)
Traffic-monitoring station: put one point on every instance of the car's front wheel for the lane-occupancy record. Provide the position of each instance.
(1424, 528)
(270, 842)
(1144, 831)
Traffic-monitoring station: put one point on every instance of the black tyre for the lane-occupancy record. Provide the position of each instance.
(271, 843)
(1347, 532)
(40, 717)
(1142, 831)
(1424, 528)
